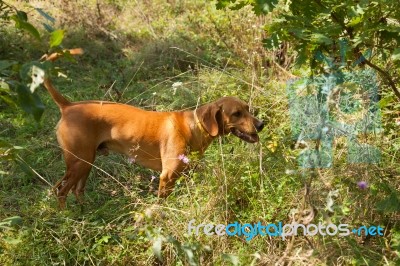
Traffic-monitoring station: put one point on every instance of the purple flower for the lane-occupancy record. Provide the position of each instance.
(152, 178)
(362, 184)
(131, 160)
(183, 158)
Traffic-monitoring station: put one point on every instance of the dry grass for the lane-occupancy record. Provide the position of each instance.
(135, 52)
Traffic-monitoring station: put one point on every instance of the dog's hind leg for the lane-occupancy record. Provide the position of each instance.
(78, 168)
(79, 189)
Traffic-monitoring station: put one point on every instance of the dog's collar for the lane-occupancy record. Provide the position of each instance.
(199, 125)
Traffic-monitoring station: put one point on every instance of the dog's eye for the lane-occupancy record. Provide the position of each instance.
(237, 114)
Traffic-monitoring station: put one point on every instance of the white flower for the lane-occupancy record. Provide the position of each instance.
(290, 172)
(176, 85)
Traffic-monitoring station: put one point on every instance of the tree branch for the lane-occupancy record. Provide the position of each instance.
(386, 75)
(357, 52)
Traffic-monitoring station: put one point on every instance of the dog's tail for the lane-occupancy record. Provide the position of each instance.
(60, 100)
(57, 97)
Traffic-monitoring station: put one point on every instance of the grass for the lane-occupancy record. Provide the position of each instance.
(135, 52)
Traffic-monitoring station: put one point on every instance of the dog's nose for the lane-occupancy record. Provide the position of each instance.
(259, 125)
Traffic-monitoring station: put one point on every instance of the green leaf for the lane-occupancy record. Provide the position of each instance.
(157, 248)
(8, 100)
(395, 239)
(391, 203)
(386, 101)
(260, 7)
(300, 33)
(29, 102)
(4, 87)
(264, 6)
(24, 166)
(56, 38)
(354, 21)
(12, 221)
(104, 239)
(221, 4)
(301, 57)
(45, 15)
(358, 10)
(4, 144)
(396, 54)
(320, 38)
(239, 5)
(8, 152)
(272, 42)
(190, 255)
(22, 16)
(4, 64)
(48, 27)
(231, 258)
(26, 70)
(11, 240)
(31, 29)
(22, 24)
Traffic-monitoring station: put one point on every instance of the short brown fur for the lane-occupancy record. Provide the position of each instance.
(152, 139)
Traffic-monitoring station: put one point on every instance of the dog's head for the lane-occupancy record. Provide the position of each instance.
(230, 115)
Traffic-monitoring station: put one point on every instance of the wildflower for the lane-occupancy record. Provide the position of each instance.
(175, 86)
(183, 158)
(290, 172)
(362, 184)
(131, 160)
(152, 178)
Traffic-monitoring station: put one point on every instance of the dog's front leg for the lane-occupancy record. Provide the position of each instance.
(172, 167)
(167, 182)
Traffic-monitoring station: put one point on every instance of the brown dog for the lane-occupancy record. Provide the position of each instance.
(156, 140)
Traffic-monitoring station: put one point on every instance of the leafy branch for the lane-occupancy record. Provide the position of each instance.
(15, 76)
(358, 54)
(317, 26)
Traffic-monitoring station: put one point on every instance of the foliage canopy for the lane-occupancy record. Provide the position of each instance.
(371, 29)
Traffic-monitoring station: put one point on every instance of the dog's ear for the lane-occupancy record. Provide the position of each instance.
(208, 116)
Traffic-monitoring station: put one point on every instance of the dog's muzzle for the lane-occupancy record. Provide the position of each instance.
(259, 125)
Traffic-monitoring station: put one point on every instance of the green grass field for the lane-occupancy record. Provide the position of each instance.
(170, 55)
